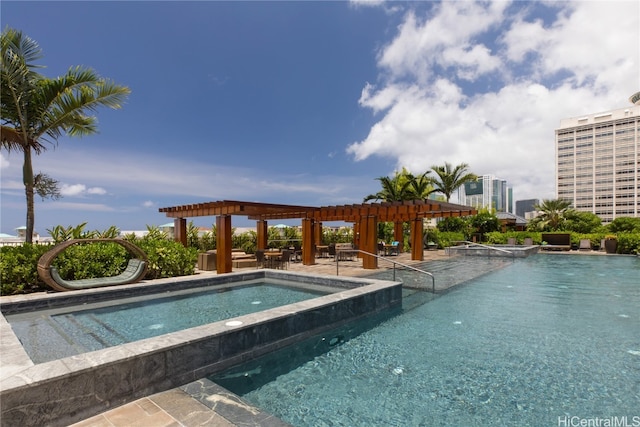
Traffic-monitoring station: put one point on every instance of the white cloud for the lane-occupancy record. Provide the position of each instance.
(67, 190)
(148, 204)
(366, 3)
(189, 180)
(542, 73)
(96, 190)
(445, 40)
(4, 163)
(79, 190)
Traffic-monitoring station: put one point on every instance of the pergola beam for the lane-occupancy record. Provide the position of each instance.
(367, 215)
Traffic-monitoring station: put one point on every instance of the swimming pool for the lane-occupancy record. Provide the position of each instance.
(542, 340)
(56, 333)
(63, 391)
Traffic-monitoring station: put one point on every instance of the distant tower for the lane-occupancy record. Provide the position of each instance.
(596, 162)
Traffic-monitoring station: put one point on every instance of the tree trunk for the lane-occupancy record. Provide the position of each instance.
(27, 178)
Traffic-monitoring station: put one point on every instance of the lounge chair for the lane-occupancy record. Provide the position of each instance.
(135, 270)
(556, 241)
(585, 245)
(511, 241)
(528, 241)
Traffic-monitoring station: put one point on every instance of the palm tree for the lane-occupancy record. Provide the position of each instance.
(37, 109)
(554, 214)
(403, 186)
(394, 189)
(421, 186)
(450, 179)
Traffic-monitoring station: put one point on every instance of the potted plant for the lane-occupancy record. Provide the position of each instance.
(610, 244)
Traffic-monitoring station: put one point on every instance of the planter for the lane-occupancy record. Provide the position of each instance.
(610, 246)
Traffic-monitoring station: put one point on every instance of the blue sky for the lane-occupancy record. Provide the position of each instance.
(308, 102)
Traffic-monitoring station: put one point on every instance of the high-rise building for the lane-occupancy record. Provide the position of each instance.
(525, 206)
(488, 193)
(598, 162)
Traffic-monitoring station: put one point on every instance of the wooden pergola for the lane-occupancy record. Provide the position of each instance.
(365, 218)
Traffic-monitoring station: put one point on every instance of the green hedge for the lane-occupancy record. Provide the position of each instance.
(445, 239)
(628, 243)
(19, 274)
(168, 258)
(19, 268)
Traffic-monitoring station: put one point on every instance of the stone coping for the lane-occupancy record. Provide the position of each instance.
(517, 251)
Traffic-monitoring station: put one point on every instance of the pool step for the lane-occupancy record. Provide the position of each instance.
(447, 273)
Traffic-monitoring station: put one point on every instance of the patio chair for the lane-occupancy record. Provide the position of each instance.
(297, 253)
(511, 241)
(332, 250)
(282, 262)
(528, 241)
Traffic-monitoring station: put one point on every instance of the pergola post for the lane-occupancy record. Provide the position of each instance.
(223, 244)
(180, 231)
(308, 242)
(398, 234)
(317, 233)
(417, 237)
(368, 241)
(262, 235)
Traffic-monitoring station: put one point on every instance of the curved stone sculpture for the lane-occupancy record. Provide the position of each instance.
(135, 271)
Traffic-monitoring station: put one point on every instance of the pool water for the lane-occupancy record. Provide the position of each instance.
(545, 338)
(50, 335)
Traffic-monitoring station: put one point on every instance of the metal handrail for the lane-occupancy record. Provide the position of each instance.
(483, 246)
(433, 280)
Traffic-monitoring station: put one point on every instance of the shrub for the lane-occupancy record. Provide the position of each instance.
(446, 238)
(625, 225)
(628, 243)
(18, 264)
(19, 269)
(86, 261)
(168, 258)
(246, 241)
(498, 238)
(484, 222)
(341, 235)
(455, 224)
